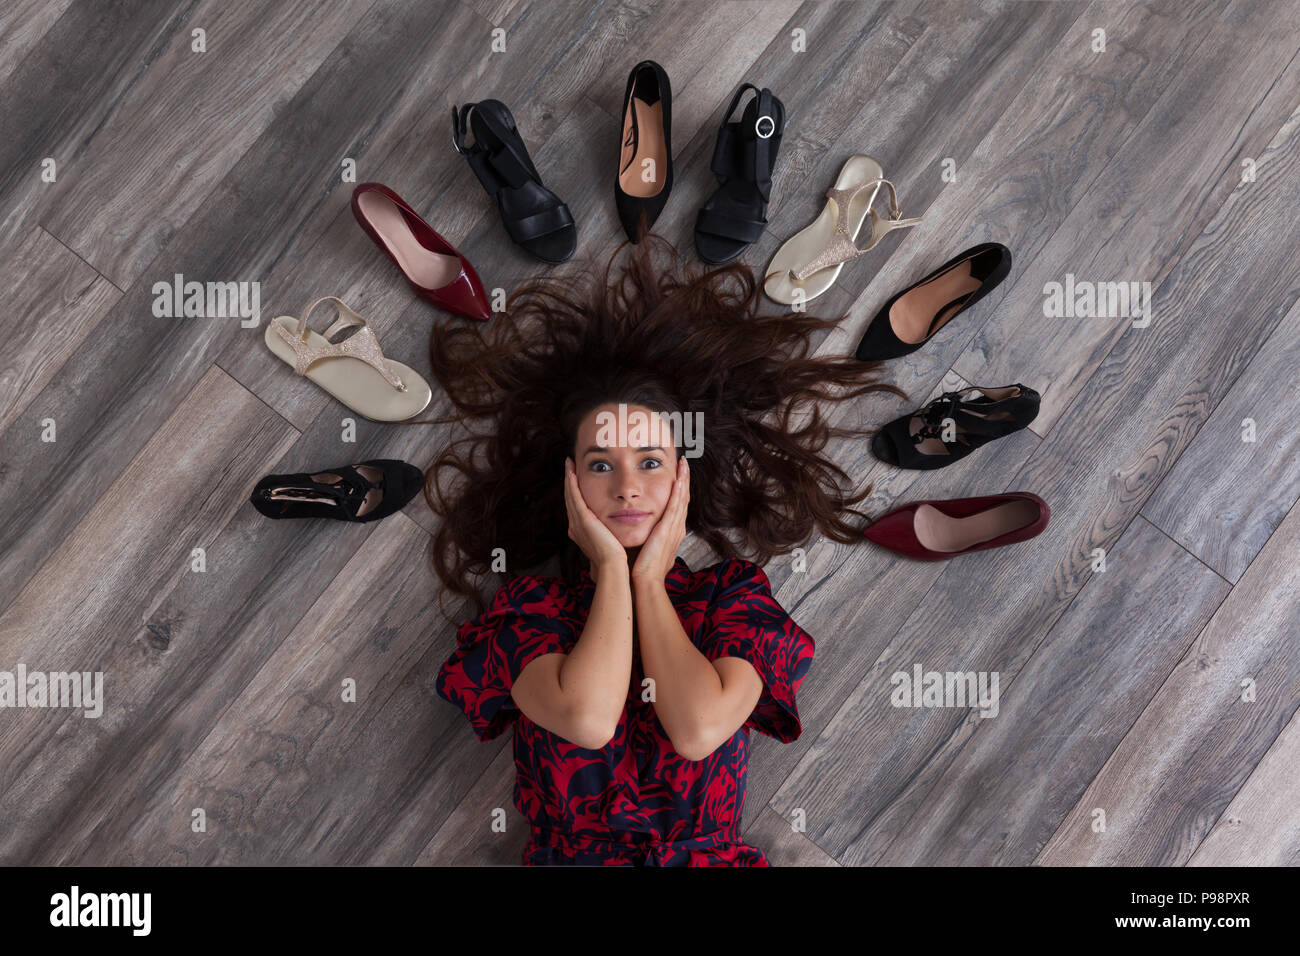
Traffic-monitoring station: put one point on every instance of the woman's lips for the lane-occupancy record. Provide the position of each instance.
(630, 517)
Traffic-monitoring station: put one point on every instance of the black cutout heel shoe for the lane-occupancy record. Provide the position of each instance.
(533, 215)
(365, 492)
(912, 317)
(743, 159)
(647, 135)
(950, 428)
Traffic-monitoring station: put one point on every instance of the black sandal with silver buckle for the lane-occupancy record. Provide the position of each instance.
(743, 159)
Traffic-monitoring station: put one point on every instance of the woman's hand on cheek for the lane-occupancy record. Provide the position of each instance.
(597, 542)
(659, 552)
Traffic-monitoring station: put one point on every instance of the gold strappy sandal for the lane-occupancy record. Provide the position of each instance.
(354, 371)
(810, 261)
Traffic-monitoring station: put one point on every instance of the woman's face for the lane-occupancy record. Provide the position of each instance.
(625, 473)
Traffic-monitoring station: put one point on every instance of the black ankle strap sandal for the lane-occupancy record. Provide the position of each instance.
(343, 493)
(534, 216)
(953, 425)
(743, 159)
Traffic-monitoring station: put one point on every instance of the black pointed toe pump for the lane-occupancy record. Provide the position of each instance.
(912, 317)
(645, 166)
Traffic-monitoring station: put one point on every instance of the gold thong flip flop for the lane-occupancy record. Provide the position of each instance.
(354, 371)
(810, 261)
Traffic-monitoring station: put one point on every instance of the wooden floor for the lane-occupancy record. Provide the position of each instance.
(1148, 711)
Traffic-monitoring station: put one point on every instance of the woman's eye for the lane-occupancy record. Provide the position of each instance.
(603, 466)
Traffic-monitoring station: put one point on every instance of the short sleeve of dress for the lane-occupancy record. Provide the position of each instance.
(527, 618)
(744, 620)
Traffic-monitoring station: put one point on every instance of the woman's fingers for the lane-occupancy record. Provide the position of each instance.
(591, 534)
(683, 487)
(579, 504)
(568, 494)
(572, 503)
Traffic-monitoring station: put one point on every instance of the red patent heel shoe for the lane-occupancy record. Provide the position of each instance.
(938, 530)
(436, 271)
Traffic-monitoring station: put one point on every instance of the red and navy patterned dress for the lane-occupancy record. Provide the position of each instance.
(635, 801)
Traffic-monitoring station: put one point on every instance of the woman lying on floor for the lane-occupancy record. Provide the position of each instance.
(619, 415)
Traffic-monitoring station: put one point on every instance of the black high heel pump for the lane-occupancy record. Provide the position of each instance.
(645, 167)
(912, 317)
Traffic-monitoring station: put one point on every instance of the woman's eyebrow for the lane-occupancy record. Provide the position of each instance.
(601, 448)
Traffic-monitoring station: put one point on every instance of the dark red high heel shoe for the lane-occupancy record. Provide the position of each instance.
(436, 271)
(937, 530)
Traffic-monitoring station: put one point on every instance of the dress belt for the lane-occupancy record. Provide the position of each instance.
(658, 850)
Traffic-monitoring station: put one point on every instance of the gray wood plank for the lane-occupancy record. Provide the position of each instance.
(782, 845)
(288, 770)
(63, 89)
(275, 573)
(22, 24)
(1261, 827)
(1017, 183)
(853, 599)
(154, 175)
(58, 300)
(1186, 758)
(996, 790)
(1226, 496)
(499, 13)
(91, 595)
(469, 837)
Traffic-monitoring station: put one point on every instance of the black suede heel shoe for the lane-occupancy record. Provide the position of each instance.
(950, 428)
(365, 492)
(533, 215)
(913, 316)
(645, 166)
(743, 158)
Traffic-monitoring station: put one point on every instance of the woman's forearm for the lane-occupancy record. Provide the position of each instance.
(687, 687)
(596, 672)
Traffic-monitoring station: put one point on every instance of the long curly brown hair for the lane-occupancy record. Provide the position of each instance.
(664, 335)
